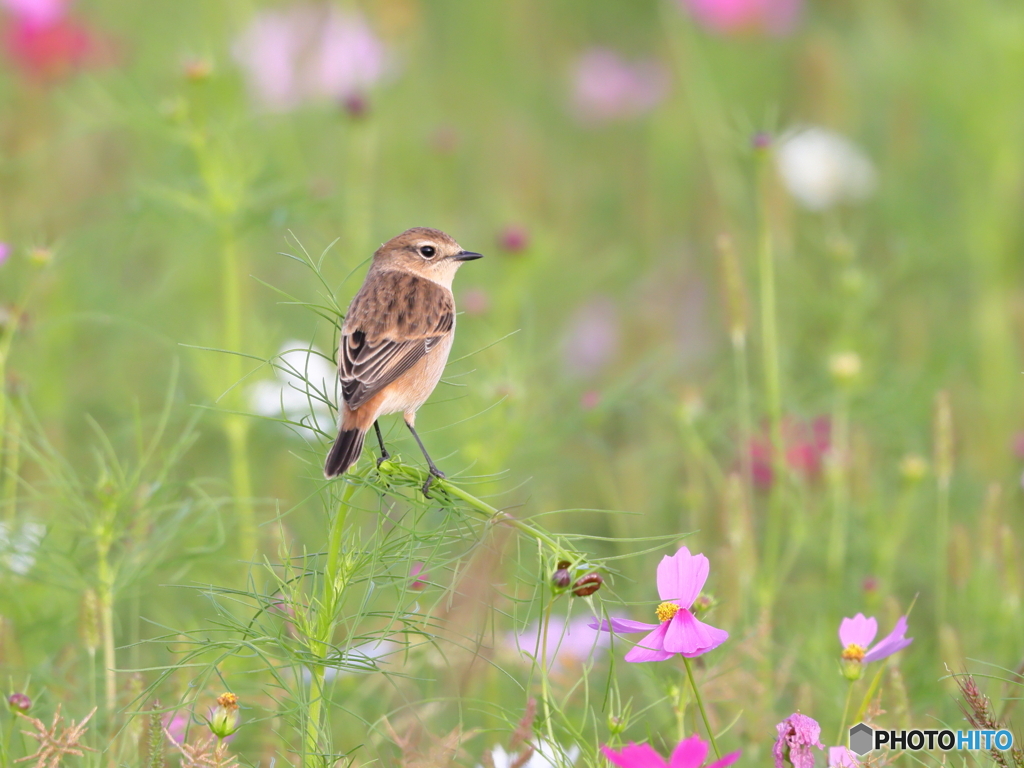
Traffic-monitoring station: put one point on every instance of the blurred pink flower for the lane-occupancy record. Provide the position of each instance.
(797, 734)
(590, 399)
(513, 238)
(690, 753)
(592, 338)
(39, 12)
(856, 634)
(1018, 445)
(680, 579)
(569, 642)
(804, 446)
(737, 17)
(309, 52)
(175, 724)
(842, 757)
(606, 87)
(5, 252)
(475, 301)
(416, 574)
(50, 51)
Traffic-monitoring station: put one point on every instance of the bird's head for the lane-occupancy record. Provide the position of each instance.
(428, 253)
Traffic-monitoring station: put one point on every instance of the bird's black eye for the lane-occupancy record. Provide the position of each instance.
(427, 251)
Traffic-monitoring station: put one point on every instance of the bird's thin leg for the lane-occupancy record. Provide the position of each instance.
(434, 471)
(384, 455)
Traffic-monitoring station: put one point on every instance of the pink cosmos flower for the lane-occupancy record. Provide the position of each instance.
(39, 12)
(797, 734)
(690, 753)
(680, 578)
(309, 52)
(5, 252)
(856, 634)
(842, 757)
(606, 87)
(737, 17)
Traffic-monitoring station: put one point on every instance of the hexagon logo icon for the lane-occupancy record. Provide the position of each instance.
(862, 739)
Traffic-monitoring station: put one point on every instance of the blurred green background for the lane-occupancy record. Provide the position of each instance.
(616, 163)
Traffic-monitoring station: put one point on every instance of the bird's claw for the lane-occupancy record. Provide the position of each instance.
(434, 472)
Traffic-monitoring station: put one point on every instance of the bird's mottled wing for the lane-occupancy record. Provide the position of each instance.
(394, 320)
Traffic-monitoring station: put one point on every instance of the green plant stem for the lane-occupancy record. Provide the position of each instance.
(236, 427)
(493, 514)
(775, 525)
(105, 598)
(327, 619)
(846, 711)
(942, 550)
(700, 705)
(839, 481)
(742, 370)
(545, 685)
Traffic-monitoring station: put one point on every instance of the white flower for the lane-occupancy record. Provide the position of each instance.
(18, 546)
(544, 756)
(304, 379)
(821, 168)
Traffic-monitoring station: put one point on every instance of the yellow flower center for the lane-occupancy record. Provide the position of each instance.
(666, 611)
(853, 652)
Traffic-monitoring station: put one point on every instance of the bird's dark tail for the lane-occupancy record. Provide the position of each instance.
(344, 452)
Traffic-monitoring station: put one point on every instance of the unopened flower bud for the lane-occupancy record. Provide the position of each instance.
(562, 578)
(616, 725)
(761, 140)
(356, 105)
(40, 256)
(224, 719)
(844, 367)
(913, 468)
(197, 69)
(703, 604)
(19, 702)
(587, 585)
(514, 239)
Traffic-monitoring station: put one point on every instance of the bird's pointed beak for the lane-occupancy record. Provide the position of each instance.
(467, 256)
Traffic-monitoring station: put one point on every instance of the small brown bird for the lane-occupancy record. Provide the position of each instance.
(395, 341)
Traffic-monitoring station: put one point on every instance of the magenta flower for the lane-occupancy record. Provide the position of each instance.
(842, 757)
(309, 52)
(797, 734)
(5, 252)
(690, 753)
(737, 17)
(606, 87)
(680, 579)
(856, 634)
